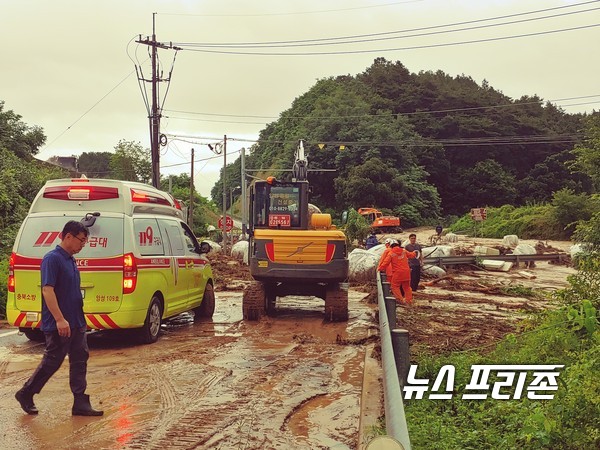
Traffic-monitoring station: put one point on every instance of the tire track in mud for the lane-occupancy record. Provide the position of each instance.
(174, 426)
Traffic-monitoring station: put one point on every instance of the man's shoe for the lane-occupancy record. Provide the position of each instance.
(25, 399)
(82, 406)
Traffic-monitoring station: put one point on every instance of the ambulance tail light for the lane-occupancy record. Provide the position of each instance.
(129, 273)
(11, 273)
(140, 196)
(81, 192)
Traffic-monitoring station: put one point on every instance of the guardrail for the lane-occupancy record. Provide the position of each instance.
(395, 419)
(472, 259)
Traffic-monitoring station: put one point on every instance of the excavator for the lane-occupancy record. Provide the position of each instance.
(292, 249)
(379, 222)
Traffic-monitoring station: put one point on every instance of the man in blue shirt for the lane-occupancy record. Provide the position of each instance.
(63, 323)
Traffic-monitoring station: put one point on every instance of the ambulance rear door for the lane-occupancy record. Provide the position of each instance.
(100, 262)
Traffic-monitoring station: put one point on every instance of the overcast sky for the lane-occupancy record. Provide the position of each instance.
(68, 65)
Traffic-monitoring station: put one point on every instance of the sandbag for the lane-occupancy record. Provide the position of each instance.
(215, 248)
(510, 240)
(438, 251)
(524, 249)
(240, 251)
(377, 250)
(451, 238)
(362, 265)
(433, 271)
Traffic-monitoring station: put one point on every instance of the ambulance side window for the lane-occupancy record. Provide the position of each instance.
(190, 240)
(148, 237)
(176, 239)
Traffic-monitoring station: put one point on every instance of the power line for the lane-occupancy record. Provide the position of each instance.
(86, 112)
(440, 111)
(416, 47)
(373, 37)
(418, 142)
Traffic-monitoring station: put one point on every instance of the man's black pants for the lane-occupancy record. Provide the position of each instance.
(415, 277)
(57, 347)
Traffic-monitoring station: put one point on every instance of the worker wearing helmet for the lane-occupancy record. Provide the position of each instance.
(387, 249)
(397, 258)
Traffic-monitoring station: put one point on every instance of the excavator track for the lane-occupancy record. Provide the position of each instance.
(253, 301)
(336, 302)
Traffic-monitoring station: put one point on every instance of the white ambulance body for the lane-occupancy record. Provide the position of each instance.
(141, 265)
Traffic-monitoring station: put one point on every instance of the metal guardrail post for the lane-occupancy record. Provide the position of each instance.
(395, 419)
(401, 353)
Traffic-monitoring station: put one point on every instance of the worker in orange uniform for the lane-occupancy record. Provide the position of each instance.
(388, 271)
(397, 258)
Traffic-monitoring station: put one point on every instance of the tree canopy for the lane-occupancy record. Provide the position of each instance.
(425, 144)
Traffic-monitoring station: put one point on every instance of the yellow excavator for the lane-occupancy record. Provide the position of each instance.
(293, 250)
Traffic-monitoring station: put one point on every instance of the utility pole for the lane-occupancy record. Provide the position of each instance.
(191, 208)
(155, 108)
(224, 194)
(243, 179)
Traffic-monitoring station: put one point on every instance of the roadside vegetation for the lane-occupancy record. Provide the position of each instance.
(568, 335)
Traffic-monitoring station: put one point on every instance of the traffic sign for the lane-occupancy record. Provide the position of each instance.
(478, 214)
(228, 223)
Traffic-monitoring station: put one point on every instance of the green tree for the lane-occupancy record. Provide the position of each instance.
(569, 208)
(131, 162)
(95, 164)
(587, 154)
(23, 140)
(487, 183)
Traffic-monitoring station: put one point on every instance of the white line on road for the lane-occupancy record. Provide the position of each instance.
(9, 333)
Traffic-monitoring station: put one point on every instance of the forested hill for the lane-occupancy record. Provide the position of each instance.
(421, 145)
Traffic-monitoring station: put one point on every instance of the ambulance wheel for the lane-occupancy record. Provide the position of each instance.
(34, 334)
(151, 329)
(207, 307)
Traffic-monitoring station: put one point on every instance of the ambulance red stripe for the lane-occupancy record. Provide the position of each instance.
(95, 321)
(19, 319)
(109, 321)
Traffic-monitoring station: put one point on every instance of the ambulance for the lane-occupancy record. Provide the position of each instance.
(141, 264)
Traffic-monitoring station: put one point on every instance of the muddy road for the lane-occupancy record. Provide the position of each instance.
(292, 381)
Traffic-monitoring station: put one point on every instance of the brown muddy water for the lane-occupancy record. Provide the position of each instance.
(291, 381)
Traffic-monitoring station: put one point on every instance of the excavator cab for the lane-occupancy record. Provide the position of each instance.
(279, 205)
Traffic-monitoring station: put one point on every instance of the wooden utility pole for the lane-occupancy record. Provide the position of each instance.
(191, 208)
(155, 108)
(224, 225)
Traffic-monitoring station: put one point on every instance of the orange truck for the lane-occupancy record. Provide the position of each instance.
(379, 222)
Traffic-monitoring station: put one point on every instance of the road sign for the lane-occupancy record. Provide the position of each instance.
(478, 214)
(228, 223)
